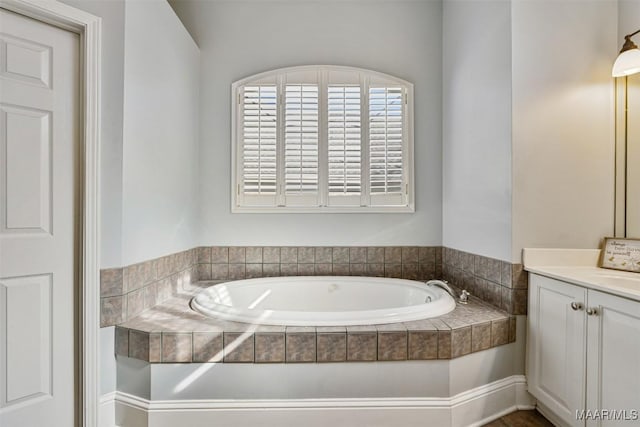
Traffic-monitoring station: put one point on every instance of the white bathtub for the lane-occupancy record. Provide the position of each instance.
(322, 301)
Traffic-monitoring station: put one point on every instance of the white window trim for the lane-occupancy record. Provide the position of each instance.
(270, 77)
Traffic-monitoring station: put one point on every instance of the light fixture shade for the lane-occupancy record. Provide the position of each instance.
(628, 62)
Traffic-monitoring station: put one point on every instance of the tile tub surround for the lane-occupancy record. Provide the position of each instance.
(126, 292)
(171, 332)
(497, 282)
(234, 262)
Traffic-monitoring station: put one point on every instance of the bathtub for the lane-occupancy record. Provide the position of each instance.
(322, 301)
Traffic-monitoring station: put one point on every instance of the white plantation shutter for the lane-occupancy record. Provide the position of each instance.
(259, 128)
(386, 141)
(301, 144)
(322, 138)
(344, 145)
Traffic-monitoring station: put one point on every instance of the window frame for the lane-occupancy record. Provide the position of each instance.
(366, 79)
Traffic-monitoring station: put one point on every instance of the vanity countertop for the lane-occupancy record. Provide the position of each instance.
(579, 266)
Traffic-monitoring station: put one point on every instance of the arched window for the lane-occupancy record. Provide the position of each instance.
(322, 138)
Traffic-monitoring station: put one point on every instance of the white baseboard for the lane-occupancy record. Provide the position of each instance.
(468, 409)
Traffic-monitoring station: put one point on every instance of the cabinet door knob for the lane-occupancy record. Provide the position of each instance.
(592, 311)
(576, 306)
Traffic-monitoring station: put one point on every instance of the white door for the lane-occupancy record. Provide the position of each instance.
(556, 346)
(613, 359)
(39, 154)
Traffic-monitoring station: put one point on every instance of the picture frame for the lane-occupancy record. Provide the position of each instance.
(620, 254)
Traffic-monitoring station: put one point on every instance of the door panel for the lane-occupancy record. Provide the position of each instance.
(39, 152)
(556, 365)
(614, 359)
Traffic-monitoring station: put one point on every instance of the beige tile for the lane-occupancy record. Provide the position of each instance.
(163, 267)
(519, 277)
(301, 347)
(375, 270)
(138, 275)
(270, 347)
(357, 255)
(427, 271)
(306, 269)
(253, 270)
(323, 255)
(306, 255)
(135, 303)
(520, 301)
(393, 270)
(254, 255)
(375, 255)
(340, 255)
(410, 254)
(207, 347)
(219, 271)
(203, 255)
(410, 271)
(271, 255)
(271, 270)
(237, 271)
(323, 269)
(238, 347)
(111, 283)
(150, 295)
(499, 332)
(155, 347)
(357, 269)
(176, 347)
(427, 255)
(219, 255)
(392, 255)
(203, 271)
(505, 274)
(289, 269)
(494, 270)
(460, 341)
(111, 311)
(361, 347)
(139, 345)
(422, 345)
(341, 269)
(289, 255)
(331, 347)
(122, 341)
(392, 345)
(506, 302)
(480, 336)
(444, 344)
(237, 255)
(164, 290)
(481, 266)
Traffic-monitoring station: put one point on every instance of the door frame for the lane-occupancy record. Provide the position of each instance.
(87, 304)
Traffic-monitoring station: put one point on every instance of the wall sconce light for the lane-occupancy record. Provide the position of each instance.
(628, 61)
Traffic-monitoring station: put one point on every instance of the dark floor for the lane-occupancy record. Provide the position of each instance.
(521, 419)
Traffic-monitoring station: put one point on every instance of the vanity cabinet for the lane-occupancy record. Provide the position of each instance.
(583, 352)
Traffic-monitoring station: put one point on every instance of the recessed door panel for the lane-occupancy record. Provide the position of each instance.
(24, 60)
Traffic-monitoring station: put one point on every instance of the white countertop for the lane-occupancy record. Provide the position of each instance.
(580, 267)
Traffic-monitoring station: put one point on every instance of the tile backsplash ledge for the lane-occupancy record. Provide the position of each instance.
(126, 292)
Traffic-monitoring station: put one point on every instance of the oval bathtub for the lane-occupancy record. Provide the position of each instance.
(322, 301)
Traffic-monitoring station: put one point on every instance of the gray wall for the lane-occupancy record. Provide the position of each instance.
(241, 38)
(477, 127)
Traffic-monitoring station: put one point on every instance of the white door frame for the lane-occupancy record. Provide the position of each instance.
(89, 28)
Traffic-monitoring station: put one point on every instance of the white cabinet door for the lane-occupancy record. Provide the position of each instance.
(556, 346)
(39, 153)
(613, 357)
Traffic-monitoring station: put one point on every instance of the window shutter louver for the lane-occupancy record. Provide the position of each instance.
(259, 128)
(386, 123)
(301, 144)
(344, 144)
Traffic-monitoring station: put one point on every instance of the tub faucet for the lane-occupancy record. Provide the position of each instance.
(464, 296)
